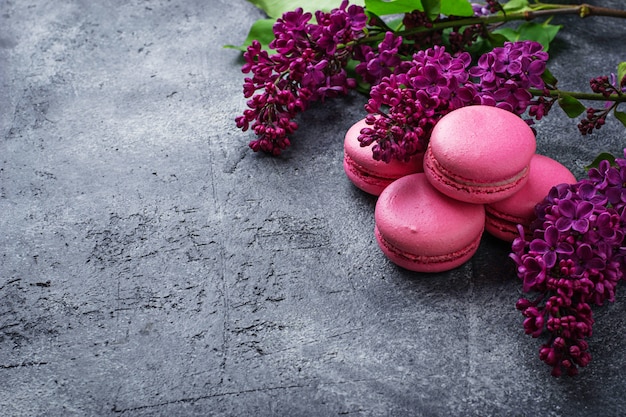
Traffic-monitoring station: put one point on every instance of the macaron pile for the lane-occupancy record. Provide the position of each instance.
(480, 173)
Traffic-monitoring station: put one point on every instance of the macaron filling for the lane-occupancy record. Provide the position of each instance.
(365, 174)
(506, 229)
(497, 215)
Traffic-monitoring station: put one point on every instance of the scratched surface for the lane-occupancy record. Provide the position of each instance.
(152, 265)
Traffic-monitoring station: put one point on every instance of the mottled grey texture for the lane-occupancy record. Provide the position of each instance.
(152, 265)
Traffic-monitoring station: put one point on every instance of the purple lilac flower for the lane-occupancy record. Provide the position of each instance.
(611, 181)
(421, 40)
(405, 106)
(409, 102)
(379, 63)
(550, 247)
(574, 261)
(309, 65)
(489, 7)
(458, 38)
(481, 9)
(607, 86)
(506, 74)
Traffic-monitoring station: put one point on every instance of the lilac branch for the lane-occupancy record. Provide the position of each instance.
(617, 98)
(546, 10)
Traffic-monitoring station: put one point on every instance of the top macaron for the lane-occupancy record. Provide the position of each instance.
(479, 154)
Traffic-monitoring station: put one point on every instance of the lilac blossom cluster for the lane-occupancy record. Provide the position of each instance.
(376, 64)
(309, 64)
(422, 40)
(405, 106)
(506, 74)
(573, 261)
(607, 86)
(418, 88)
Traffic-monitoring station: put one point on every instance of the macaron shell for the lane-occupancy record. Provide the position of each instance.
(483, 144)
(421, 229)
(365, 182)
(503, 229)
(421, 263)
(368, 174)
(502, 217)
(467, 190)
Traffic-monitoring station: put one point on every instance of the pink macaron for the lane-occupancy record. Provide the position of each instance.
(479, 154)
(502, 217)
(421, 229)
(368, 174)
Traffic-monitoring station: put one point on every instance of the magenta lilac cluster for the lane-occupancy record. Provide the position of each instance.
(418, 88)
(308, 65)
(506, 74)
(405, 105)
(607, 86)
(574, 260)
(413, 99)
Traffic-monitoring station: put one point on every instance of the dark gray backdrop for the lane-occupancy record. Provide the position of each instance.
(152, 265)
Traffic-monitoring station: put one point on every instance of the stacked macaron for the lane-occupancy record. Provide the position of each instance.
(502, 217)
(481, 172)
(421, 229)
(365, 172)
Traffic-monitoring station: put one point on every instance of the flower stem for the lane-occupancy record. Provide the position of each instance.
(617, 98)
(543, 10)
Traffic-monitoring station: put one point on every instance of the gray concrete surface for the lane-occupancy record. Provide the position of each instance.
(152, 265)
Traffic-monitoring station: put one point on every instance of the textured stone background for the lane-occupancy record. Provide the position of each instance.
(152, 265)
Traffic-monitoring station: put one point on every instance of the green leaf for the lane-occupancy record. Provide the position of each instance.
(543, 33)
(394, 25)
(446, 7)
(276, 8)
(496, 39)
(512, 6)
(548, 78)
(620, 115)
(383, 8)
(621, 72)
(378, 22)
(510, 34)
(571, 106)
(604, 156)
(432, 8)
(456, 8)
(261, 30)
